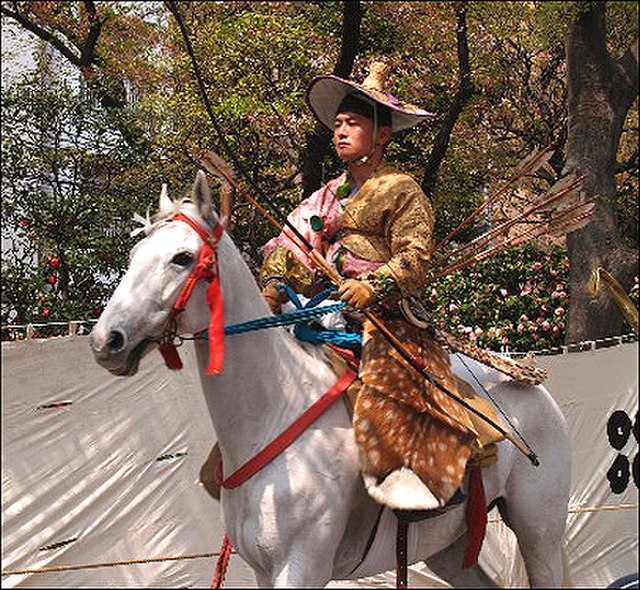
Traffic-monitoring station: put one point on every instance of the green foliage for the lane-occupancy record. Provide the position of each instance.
(73, 174)
(517, 300)
(68, 194)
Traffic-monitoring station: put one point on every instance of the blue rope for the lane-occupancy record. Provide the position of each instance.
(293, 296)
(303, 331)
(340, 338)
(284, 319)
(306, 333)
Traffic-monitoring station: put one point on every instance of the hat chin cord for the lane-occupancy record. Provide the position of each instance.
(361, 160)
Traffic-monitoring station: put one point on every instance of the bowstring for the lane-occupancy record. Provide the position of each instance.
(494, 402)
(176, 13)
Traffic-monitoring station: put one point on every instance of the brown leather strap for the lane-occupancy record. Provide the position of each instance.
(401, 553)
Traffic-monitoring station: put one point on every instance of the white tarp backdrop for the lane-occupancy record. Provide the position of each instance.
(100, 474)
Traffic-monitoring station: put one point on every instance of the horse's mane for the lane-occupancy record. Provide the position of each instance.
(149, 224)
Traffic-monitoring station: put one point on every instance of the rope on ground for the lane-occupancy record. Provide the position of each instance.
(66, 568)
(578, 509)
(219, 554)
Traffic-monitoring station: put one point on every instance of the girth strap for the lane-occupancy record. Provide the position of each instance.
(401, 552)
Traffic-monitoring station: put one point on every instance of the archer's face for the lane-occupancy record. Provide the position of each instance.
(352, 136)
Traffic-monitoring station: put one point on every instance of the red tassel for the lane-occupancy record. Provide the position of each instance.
(216, 327)
(170, 355)
(476, 516)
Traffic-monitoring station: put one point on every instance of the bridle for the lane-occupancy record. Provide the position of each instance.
(206, 269)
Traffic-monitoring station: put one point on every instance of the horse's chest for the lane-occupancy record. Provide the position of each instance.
(306, 492)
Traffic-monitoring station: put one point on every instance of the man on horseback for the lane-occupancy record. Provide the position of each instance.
(375, 225)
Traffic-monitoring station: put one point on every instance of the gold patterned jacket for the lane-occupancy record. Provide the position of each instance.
(385, 229)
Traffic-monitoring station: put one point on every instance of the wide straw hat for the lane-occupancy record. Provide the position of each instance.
(326, 92)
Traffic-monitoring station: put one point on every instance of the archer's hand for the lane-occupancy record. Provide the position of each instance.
(356, 293)
(274, 298)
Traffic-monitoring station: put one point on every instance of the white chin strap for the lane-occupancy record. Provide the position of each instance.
(361, 160)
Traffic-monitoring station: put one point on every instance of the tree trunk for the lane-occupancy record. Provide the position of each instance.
(600, 93)
(318, 140)
(461, 98)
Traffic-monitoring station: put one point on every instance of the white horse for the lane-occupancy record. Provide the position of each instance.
(306, 518)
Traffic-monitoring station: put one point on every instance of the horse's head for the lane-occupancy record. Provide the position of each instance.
(141, 309)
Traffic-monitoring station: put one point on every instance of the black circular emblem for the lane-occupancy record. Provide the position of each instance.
(618, 474)
(618, 429)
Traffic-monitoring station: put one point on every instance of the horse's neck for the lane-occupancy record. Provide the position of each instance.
(269, 379)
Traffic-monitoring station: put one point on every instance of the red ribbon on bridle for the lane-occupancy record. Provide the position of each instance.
(206, 269)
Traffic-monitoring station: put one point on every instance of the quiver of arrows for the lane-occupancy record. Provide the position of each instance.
(554, 213)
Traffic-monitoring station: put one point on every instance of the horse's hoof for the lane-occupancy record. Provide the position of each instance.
(402, 489)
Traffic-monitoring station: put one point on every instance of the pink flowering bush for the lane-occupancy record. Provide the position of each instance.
(517, 300)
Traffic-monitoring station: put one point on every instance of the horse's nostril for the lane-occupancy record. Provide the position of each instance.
(116, 341)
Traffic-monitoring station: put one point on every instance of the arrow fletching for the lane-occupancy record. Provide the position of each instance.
(526, 167)
(531, 163)
(214, 164)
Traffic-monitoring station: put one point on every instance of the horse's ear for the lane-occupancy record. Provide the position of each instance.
(201, 195)
(166, 204)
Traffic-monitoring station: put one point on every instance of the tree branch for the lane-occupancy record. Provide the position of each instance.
(318, 140)
(81, 54)
(351, 17)
(465, 90)
(44, 34)
(628, 68)
(89, 56)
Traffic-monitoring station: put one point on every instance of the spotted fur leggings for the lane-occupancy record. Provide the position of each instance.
(400, 419)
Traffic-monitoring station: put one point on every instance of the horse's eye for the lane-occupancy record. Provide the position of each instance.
(182, 259)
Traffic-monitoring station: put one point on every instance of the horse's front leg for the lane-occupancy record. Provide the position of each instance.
(293, 552)
(308, 566)
(293, 520)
